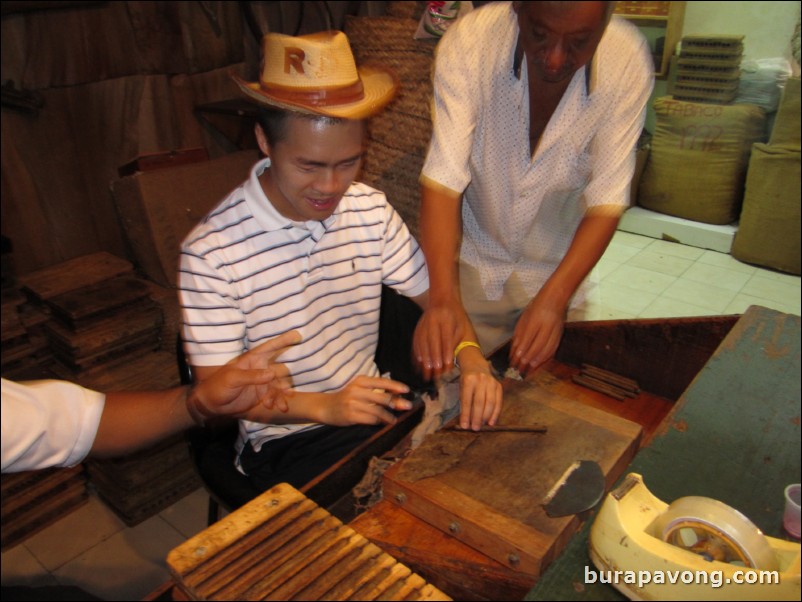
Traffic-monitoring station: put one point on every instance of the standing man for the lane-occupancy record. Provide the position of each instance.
(537, 110)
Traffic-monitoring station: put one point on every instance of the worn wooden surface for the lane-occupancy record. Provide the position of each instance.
(283, 546)
(87, 270)
(638, 349)
(488, 493)
(443, 560)
(733, 436)
(74, 308)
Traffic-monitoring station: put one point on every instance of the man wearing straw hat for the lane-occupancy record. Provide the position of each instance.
(538, 107)
(301, 246)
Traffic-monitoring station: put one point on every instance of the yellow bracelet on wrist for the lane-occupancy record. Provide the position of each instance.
(462, 346)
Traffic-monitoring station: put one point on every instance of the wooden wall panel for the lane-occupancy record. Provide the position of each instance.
(57, 167)
(118, 80)
(71, 46)
(75, 46)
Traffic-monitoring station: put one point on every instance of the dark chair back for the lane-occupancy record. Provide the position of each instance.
(212, 452)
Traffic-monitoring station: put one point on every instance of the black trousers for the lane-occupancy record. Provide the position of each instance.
(299, 458)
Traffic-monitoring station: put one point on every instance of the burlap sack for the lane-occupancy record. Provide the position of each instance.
(786, 130)
(768, 234)
(698, 159)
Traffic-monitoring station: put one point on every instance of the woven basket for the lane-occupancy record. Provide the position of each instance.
(390, 42)
(396, 173)
(399, 136)
(408, 10)
(408, 133)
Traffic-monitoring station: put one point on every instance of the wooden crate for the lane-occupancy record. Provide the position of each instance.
(283, 546)
(79, 309)
(77, 273)
(139, 485)
(24, 345)
(127, 333)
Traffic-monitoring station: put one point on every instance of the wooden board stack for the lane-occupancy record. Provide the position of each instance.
(708, 69)
(34, 500)
(105, 328)
(100, 311)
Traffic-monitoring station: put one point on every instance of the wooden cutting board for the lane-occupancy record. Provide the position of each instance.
(486, 488)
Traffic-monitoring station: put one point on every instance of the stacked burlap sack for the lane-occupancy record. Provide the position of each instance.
(769, 230)
(698, 159)
(710, 163)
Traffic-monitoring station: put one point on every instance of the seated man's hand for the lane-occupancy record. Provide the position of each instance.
(480, 391)
(439, 330)
(366, 400)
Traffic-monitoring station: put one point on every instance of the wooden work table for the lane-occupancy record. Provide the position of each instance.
(734, 436)
(720, 413)
(663, 355)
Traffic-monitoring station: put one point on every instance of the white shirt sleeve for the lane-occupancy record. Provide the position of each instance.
(456, 99)
(47, 423)
(628, 75)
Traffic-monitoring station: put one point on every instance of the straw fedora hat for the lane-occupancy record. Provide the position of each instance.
(317, 74)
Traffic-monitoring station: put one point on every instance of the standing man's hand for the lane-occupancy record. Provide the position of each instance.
(537, 334)
(444, 322)
(540, 327)
(439, 331)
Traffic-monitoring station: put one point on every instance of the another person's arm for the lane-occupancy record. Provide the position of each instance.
(57, 423)
(246, 386)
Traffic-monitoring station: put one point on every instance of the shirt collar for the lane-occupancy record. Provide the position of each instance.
(591, 69)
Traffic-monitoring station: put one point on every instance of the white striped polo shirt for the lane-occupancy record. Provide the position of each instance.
(248, 274)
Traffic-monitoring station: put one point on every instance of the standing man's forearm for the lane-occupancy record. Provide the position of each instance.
(444, 321)
(589, 244)
(441, 234)
(539, 328)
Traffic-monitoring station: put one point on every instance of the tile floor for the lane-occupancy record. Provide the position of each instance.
(640, 277)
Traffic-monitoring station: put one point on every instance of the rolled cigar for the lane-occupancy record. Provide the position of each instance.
(500, 428)
(600, 386)
(611, 377)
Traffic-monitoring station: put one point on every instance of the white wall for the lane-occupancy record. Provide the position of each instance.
(766, 26)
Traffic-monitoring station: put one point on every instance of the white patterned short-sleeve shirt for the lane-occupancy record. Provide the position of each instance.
(520, 212)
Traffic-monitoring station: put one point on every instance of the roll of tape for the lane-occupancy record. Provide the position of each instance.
(716, 531)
